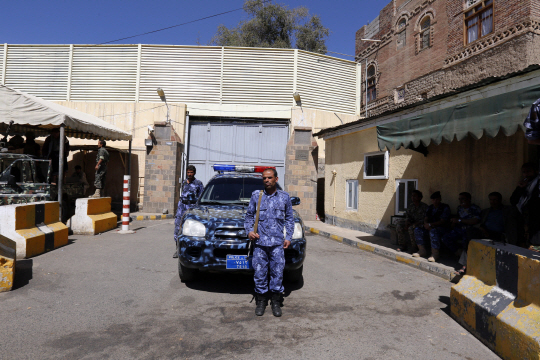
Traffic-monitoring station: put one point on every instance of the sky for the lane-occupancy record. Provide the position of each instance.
(100, 21)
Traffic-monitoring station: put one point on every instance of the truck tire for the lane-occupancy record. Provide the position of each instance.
(294, 276)
(186, 274)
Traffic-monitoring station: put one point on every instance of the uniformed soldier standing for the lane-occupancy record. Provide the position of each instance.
(191, 188)
(101, 168)
(268, 253)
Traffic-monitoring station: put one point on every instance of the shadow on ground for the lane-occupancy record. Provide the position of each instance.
(23, 269)
(447, 258)
(234, 283)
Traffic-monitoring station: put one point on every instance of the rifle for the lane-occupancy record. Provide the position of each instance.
(255, 227)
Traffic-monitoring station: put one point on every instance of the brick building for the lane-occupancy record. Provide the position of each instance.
(448, 84)
(429, 48)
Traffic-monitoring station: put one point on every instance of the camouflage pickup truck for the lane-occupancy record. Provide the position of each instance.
(24, 179)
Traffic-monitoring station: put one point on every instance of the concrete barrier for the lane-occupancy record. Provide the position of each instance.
(35, 227)
(7, 263)
(499, 299)
(93, 216)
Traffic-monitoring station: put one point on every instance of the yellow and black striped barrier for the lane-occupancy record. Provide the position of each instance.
(7, 263)
(93, 216)
(499, 299)
(35, 227)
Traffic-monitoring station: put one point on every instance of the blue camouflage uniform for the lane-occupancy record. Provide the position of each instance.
(435, 234)
(275, 214)
(532, 122)
(460, 230)
(194, 188)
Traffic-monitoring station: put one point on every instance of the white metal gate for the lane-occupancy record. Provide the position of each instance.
(243, 143)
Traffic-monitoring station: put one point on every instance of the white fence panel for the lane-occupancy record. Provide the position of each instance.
(104, 73)
(1, 63)
(186, 74)
(258, 76)
(326, 83)
(38, 70)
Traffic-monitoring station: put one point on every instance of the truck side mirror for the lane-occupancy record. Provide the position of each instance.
(295, 200)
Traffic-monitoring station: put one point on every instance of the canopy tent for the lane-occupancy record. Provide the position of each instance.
(488, 116)
(30, 113)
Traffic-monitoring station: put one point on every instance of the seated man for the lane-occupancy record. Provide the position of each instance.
(435, 224)
(494, 221)
(468, 215)
(526, 198)
(414, 217)
(80, 177)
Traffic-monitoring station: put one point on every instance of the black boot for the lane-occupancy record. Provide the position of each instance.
(175, 255)
(276, 304)
(261, 302)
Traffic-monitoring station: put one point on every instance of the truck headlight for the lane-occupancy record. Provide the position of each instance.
(193, 228)
(297, 234)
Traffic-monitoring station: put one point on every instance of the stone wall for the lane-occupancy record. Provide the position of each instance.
(301, 171)
(162, 172)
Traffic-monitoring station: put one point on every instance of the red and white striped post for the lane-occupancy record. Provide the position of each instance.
(126, 202)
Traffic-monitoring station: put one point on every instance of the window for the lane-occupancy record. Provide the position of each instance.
(425, 27)
(479, 21)
(404, 188)
(352, 194)
(372, 88)
(376, 165)
(402, 34)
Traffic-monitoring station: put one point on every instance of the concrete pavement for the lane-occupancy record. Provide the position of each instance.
(379, 246)
(119, 297)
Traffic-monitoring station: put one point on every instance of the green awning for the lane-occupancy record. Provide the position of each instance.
(504, 112)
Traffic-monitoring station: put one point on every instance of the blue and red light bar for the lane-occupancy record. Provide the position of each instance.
(241, 168)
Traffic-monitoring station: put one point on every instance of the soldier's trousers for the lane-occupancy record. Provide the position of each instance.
(402, 233)
(99, 182)
(268, 262)
(178, 217)
(435, 236)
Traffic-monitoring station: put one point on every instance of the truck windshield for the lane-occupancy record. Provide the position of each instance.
(229, 191)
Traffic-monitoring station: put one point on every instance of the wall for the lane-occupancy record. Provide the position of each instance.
(205, 77)
(477, 166)
(131, 117)
(318, 120)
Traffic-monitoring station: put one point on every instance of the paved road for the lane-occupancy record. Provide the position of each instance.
(119, 297)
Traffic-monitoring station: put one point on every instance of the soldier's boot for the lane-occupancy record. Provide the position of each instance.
(276, 304)
(260, 301)
(435, 254)
(422, 252)
(96, 194)
(413, 247)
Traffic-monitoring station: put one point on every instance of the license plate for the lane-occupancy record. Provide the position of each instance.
(239, 262)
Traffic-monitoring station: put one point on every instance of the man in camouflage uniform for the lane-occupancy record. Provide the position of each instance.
(101, 168)
(414, 217)
(270, 241)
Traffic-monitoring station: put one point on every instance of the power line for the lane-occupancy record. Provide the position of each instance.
(177, 25)
(158, 30)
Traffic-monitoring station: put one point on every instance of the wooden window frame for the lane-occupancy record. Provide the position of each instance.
(371, 85)
(478, 14)
(422, 32)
